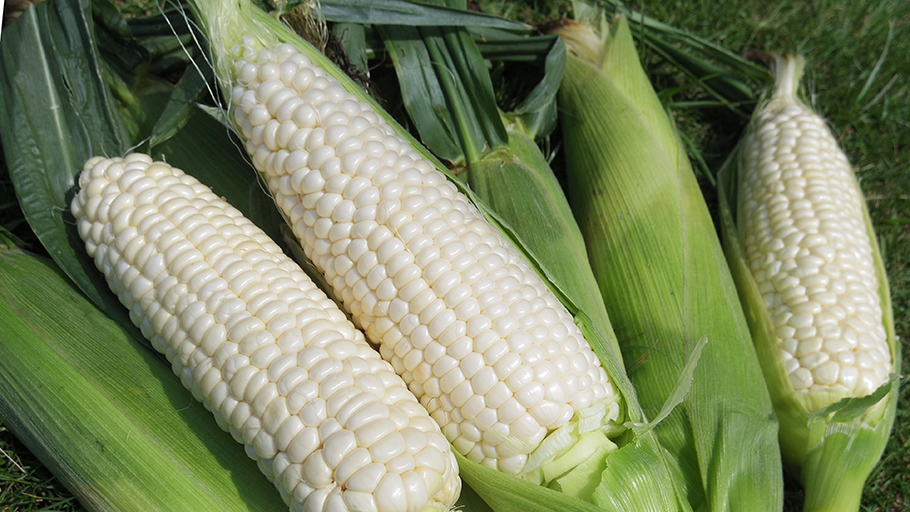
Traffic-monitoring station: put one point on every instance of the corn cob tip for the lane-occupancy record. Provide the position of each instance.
(581, 40)
(788, 72)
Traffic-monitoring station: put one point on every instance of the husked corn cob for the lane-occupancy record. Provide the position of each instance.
(804, 238)
(801, 246)
(264, 349)
(491, 353)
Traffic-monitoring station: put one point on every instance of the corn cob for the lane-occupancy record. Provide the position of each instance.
(279, 365)
(480, 340)
(804, 238)
(536, 214)
(810, 277)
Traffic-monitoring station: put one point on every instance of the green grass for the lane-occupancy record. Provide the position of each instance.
(25, 484)
(851, 80)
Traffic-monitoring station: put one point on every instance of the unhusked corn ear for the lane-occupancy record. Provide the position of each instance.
(264, 349)
(655, 253)
(804, 238)
(476, 334)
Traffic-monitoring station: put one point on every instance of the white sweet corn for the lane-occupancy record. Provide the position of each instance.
(279, 365)
(485, 346)
(804, 237)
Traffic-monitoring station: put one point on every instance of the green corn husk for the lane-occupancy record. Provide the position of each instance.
(537, 206)
(103, 412)
(662, 273)
(831, 449)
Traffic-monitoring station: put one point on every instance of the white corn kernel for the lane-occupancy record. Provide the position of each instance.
(810, 275)
(419, 269)
(265, 365)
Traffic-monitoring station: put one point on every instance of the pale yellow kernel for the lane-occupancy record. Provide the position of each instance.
(390, 494)
(826, 373)
(849, 377)
(387, 443)
(353, 462)
(510, 410)
(337, 447)
(366, 479)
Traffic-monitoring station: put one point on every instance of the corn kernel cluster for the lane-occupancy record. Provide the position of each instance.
(478, 337)
(801, 220)
(274, 359)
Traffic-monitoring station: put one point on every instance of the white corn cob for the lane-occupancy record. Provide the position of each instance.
(260, 345)
(804, 235)
(475, 333)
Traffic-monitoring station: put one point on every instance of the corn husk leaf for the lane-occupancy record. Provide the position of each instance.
(659, 264)
(404, 12)
(56, 112)
(113, 31)
(537, 113)
(530, 103)
(507, 494)
(835, 448)
(180, 105)
(105, 414)
(459, 121)
(353, 39)
(158, 43)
